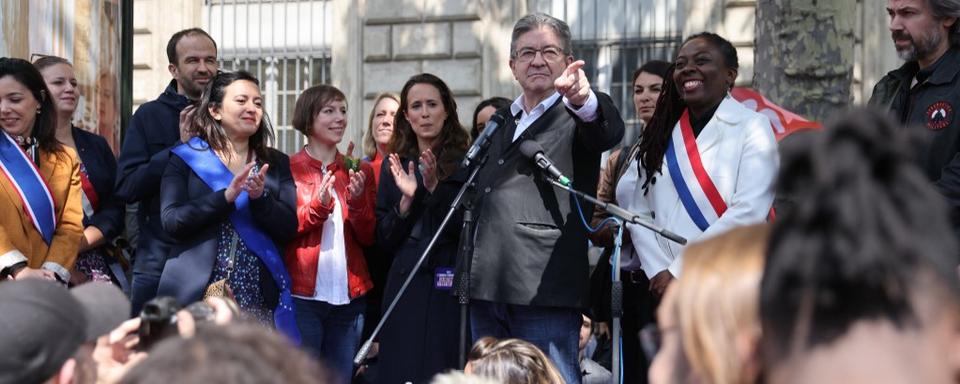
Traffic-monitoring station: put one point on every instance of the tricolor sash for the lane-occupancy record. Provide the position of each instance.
(88, 195)
(201, 159)
(698, 194)
(34, 193)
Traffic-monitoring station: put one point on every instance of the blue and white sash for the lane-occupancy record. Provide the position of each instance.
(214, 173)
(26, 179)
(697, 192)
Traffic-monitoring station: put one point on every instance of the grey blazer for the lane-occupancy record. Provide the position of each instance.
(530, 244)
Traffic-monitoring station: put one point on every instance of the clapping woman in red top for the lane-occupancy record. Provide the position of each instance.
(335, 210)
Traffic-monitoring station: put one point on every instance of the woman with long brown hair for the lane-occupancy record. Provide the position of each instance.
(421, 337)
(230, 202)
(41, 219)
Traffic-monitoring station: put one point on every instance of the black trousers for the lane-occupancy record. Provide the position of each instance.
(639, 310)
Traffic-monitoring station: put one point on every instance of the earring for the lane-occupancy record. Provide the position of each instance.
(38, 110)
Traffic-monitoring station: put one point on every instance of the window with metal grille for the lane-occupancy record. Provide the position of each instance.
(614, 38)
(282, 80)
(610, 66)
(284, 43)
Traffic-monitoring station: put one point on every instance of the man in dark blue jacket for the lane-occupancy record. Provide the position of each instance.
(154, 129)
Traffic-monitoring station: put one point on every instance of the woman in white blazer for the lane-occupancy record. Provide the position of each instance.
(706, 163)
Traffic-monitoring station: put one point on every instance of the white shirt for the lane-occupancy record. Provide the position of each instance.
(587, 112)
(332, 286)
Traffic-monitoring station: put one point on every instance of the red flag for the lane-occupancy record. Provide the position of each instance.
(782, 121)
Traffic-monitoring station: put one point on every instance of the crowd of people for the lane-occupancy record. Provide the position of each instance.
(252, 266)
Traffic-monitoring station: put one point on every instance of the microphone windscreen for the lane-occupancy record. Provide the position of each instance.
(496, 118)
(529, 148)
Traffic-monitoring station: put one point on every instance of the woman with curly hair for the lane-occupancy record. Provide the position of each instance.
(420, 181)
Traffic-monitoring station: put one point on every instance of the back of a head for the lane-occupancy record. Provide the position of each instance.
(457, 377)
(868, 235)
(716, 302)
(512, 361)
(231, 354)
(41, 327)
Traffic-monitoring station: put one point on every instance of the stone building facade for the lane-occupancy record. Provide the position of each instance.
(372, 46)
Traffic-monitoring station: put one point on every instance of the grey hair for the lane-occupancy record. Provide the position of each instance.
(540, 19)
(948, 8)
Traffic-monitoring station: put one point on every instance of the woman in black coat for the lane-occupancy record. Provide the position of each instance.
(421, 337)
(230, 202)
(102, 214)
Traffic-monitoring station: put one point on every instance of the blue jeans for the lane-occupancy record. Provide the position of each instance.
(556, 331)
(331, 332)
(142, 289)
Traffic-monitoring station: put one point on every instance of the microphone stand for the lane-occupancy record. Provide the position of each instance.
(462, 284)
(365, 349)
(621, 213)
(616, 287)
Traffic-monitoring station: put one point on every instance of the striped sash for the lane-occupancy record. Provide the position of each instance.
(30, 186)
(698, 194)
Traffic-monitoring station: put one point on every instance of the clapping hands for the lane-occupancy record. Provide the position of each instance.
(253, 183)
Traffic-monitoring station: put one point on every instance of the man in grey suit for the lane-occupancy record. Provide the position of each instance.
(529, 270)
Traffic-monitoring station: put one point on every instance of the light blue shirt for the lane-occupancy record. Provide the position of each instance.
(587, 112)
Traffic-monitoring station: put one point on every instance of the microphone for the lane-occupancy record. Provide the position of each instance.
(483, 141)
(533, 150)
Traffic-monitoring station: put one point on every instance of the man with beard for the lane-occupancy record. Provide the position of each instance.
(924, 93)
(154, 129)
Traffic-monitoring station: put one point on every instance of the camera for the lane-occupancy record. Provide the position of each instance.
(158, 320)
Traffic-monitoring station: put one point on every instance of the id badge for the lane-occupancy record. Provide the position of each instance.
(443, 279)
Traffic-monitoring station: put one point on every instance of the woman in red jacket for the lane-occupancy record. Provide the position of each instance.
(335, 211)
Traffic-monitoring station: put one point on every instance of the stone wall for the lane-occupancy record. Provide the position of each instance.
(874, 55)
(154, 21)
(464, 42)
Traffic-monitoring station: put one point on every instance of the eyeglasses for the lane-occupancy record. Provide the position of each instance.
(37, 56)
(526, 55)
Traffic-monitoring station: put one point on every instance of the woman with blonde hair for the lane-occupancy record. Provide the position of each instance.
(380, 131)
(511, 361)
(102, 214)
(710, 319)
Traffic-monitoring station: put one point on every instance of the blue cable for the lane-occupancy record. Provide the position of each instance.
(614, 261)
(614, 264)
(621, 360)
(583, 219)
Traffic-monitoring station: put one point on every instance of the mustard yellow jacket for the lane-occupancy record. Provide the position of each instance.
(21, 241)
